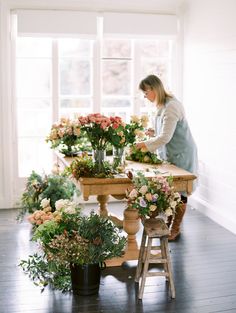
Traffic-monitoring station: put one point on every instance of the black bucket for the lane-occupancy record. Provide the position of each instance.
(85, 279)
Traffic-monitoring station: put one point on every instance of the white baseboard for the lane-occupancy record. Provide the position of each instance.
(211, 212)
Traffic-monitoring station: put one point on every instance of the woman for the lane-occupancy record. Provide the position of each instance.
(172, 137)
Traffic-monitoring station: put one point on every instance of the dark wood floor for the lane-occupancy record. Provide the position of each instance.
(204, 266)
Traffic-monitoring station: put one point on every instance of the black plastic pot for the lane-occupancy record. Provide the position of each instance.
(85, 279)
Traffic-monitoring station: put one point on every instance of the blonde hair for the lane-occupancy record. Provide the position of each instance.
(154, 83)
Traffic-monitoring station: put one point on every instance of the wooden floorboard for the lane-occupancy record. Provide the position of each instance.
(204, 270)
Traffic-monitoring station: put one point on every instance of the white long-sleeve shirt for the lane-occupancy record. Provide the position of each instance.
(174, 135)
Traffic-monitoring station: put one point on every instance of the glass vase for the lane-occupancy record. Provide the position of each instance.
(98, 159)
(118, 158)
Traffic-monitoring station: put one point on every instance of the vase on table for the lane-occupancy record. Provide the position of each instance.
(99, 159)
(118, 158)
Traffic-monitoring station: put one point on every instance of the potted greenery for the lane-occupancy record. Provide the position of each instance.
(73, 244)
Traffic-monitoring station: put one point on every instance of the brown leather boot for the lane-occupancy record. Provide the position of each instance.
(175, 229)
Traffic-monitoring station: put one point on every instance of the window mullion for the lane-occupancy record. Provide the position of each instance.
(97, 82)
(136, 74)
(55, 81)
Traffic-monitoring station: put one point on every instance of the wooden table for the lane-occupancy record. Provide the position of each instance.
(116, 187)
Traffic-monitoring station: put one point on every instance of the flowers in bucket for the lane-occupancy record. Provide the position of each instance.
(153, 197)
(68, 239)
(66, 135)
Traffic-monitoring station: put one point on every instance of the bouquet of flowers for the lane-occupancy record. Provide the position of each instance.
(143, 156)
(153, 197)
(98, 129)
(66, 135)
(126, 134)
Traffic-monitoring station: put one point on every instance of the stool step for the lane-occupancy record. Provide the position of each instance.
(152, 274)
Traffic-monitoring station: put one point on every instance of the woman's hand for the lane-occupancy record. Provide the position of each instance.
(150, 132)
(141, 145)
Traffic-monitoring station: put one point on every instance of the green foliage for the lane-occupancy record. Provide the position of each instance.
(53, 187)
(43, 272)
(143, 157)
(83, 166)
(104, 240)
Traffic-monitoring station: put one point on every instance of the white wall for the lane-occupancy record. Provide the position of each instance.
(210, 101)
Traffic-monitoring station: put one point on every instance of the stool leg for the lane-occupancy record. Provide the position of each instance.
(145, 268)
(163, 255)
(140, 258)
(172, 286)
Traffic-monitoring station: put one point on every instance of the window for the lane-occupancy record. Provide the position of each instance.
(57, 77)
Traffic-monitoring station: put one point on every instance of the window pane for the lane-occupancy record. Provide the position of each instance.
(34, 154)
(154, 48)
(116, 48)
(33, 77)
(33, 47)
(75, 77)
(159, 68)
(38, 122)
(122, 114)
(74, 107)
(116, 103)
(116, 77)
(75, 47)
(33, 104)
(76, 103)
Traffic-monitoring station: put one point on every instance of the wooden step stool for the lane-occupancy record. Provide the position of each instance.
(154, 228)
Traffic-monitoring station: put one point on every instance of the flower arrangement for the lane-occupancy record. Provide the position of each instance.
(68, 239)
(126, 134)
(66, 135)
(143, 156)
(98, 129)
(38, 187)
(83, 166)
(153, 197)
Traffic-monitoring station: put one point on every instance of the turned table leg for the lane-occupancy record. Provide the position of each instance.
(102, 200)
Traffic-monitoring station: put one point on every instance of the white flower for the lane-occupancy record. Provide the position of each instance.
(70, 209)
(173, 204)
(133, 194)
(45, 203)
(143, 189)
(134, 119)
(62, 203)
(177, 196)
(168, 212)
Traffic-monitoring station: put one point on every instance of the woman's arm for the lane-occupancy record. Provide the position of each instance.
(173, 113)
